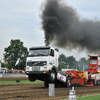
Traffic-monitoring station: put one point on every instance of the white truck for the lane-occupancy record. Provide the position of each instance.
(42, 64)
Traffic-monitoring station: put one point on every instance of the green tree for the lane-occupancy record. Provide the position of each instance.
(14, 51)
(67, 62)
(83, 62)
(6, 65)
(62, 62)
(71, 62)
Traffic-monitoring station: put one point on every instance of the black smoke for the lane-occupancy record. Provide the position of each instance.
(63, 27)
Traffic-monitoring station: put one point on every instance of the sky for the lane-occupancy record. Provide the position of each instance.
(19, 19)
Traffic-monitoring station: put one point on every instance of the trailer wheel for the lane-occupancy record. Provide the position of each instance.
(98, 82)
(95, 83)
(68, 82)
(52, 76)
(84, 83)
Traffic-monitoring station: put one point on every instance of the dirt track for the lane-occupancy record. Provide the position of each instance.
(39, 92)
(13, 78)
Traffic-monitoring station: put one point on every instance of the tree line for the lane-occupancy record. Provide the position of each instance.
(17, 50)
(71, 63)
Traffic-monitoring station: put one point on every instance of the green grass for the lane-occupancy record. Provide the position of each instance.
(93, 97)
(21, 82)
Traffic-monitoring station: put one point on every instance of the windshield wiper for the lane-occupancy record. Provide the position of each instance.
(36, 63)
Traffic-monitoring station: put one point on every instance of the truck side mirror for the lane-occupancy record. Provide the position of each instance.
(57, 49)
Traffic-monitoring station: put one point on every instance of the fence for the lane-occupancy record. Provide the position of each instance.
(14, 74)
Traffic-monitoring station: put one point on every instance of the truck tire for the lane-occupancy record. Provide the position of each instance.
(68, 82)
(46, 84)
(30, 77)
(52, 76)
(98, 82)
(57, 85)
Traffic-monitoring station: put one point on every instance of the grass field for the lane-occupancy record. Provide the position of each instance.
(93, 97)
(21, 82)
(14, 82)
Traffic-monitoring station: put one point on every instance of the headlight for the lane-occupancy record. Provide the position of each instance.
(27, 68)
(43, 68)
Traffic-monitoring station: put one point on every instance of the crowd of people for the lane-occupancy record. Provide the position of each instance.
(12, 71)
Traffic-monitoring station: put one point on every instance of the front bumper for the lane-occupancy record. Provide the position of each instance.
(37, 72)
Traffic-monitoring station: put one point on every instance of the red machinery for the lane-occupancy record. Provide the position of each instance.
(87, 78)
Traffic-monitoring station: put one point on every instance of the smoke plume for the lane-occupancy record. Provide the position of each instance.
(63, 27)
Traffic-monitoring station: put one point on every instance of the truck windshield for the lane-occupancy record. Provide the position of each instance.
(93, 61)
(38, 52)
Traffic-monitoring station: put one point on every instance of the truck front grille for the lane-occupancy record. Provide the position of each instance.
(35, 68)
(37, 63)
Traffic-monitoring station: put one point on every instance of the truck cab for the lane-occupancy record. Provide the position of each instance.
(94, 64)
(42, 63)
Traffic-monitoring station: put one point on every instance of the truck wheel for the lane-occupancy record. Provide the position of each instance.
(30, 77)
(46, 83)
(57, 85)
(68, 82)
(52, 76)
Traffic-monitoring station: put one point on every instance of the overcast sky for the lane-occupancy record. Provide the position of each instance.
(19, 19)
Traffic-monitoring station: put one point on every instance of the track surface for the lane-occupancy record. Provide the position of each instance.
(13, 78)
(39, 92)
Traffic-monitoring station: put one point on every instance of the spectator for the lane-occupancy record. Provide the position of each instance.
(2, 71)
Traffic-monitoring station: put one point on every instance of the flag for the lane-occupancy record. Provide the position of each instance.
(17, 61)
